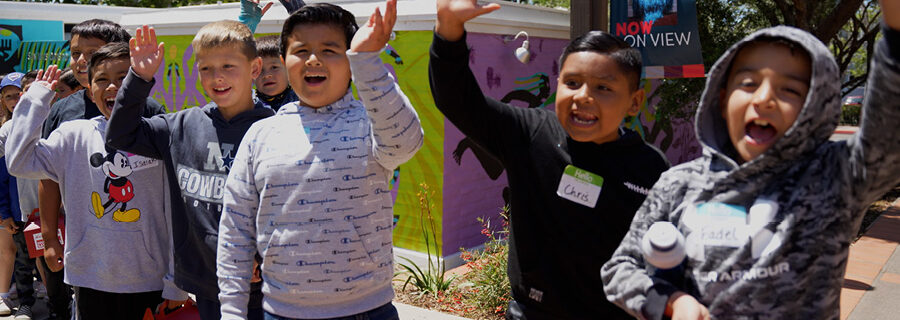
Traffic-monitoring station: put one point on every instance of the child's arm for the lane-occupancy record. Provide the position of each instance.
(5, 201)
(625, 278)
(875, 150)
(251, 13)
(49, 203)
(127, 129)
(490, 123)
(27, 155)
(237, 233)
(395, 124)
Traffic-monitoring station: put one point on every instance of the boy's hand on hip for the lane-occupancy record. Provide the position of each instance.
(685, 307)
(53, 253)
(374, 35)
(48, 78)
(146, 54)
(453, 14)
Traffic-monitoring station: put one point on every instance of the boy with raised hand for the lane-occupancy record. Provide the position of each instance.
(786, 198)
(197, 145)
(87, 38)
(576, 177)
(117, 213)
(309, 204)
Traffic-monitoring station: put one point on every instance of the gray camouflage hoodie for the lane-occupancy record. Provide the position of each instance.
(787, 260)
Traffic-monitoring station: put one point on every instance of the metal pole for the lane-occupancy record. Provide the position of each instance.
(587, 15)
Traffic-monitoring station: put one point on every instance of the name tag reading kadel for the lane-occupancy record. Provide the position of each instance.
(580, 186)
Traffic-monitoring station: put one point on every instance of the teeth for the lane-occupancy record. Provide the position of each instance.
(220, 89)
(761, 123)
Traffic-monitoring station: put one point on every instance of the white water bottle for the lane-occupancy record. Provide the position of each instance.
(663, 248)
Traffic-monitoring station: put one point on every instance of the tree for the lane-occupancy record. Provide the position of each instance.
(848, 27)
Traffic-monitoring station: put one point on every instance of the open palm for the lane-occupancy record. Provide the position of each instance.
(373, 35)
(146, 53)
(48, 78)
(461, 11)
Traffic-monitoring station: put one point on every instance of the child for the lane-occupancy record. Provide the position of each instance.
(309, 203)
(117, 218)
(557, 239)
(87, 37)
(196, 144)
(10, 91)
(67, 85)
(787, 200)
(272, 88)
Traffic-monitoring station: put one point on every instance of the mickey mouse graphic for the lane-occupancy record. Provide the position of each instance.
(117, 168)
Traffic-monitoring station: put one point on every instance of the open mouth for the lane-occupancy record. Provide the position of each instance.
(760, 131)
(583, 119)
(110, 102)
(222, 90)
(315, 79)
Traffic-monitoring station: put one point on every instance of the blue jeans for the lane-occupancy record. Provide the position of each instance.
(385, 312)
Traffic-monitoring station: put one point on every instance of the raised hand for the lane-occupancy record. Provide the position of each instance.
(374, 35)
(453, 14)
(146, 54)
(48, 78)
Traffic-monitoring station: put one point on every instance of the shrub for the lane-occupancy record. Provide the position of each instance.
(433, 279)
(487, 280)
(850, 115)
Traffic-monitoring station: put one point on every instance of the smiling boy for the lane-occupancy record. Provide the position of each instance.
(195, 144)
(546, 154)
(119, 265)
(310, 204)
(791, 199)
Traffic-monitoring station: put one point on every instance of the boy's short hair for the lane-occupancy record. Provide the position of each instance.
(225, 33)
(110, 51)
(626, 57)
(319, 13)
(30, 76)
(794, 47)
(68, 77)
(269, 46)
(105, 30)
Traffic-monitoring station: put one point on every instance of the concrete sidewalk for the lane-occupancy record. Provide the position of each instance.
(872, 281)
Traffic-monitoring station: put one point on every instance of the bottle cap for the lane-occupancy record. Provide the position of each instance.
(663, 245)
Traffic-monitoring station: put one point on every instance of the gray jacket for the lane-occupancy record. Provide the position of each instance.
(790, 264)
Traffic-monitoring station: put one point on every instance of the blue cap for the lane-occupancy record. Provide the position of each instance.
(12, 79)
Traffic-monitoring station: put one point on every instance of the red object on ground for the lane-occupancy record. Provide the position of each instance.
(188, 312)
(35, 241)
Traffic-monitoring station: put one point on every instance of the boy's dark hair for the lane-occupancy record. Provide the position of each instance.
(110, 51)
(105, 30)
(794, 47)
(319, 13)
(68, 77)
(628, 58)
(268, 46)
(30, 76)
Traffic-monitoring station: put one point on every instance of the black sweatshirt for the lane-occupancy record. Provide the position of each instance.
(197, 146)
(556, 246)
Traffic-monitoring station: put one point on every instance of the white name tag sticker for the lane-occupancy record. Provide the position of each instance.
(580, 186)
(722, 225)
(139, 162)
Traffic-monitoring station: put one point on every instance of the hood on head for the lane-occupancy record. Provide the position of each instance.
(816, 121)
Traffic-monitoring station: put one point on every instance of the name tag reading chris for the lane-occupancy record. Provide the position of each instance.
(580, 186)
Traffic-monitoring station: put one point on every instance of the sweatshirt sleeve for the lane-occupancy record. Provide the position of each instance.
(625, 278)
(493, 125)
(237, 233)
(395, 125)
(875, 150)
(27, 155)
(128, 130)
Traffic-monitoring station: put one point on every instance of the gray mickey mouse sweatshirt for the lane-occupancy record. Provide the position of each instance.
(782, 260)
(309, 192)
(117, 229)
